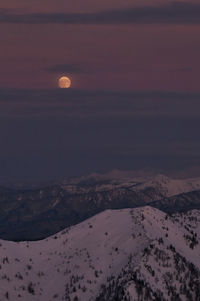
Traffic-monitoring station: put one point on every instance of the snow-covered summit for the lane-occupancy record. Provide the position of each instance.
(106, 257)
(163, 185)
(38, 213)
(170, 187)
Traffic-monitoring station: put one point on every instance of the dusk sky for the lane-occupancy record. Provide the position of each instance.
(134, 102)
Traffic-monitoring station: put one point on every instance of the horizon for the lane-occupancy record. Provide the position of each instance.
(134, 99)
(115, 174)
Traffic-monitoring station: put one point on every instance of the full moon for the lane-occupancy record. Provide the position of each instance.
(64, 82)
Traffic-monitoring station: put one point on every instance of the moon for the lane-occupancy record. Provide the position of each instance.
(64, 82)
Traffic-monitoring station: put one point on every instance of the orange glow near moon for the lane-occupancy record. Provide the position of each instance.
(64, 82)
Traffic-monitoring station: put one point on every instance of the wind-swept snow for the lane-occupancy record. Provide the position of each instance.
(103, 257)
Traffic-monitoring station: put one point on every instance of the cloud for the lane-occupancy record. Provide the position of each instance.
(172, 13)
(102, 105)
(67, 68)
(55, 131)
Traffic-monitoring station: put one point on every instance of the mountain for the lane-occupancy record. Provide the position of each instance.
(32, 214)
(131, 254)
(179, 203)
(161, 183)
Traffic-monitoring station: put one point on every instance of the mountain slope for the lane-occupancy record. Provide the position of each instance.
(179, 203)
(33, 214)
(130, 254)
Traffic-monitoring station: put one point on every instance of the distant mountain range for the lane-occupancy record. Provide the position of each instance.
(32, 214)
(138, 254)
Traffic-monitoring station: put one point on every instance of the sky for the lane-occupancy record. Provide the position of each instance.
(134, 102)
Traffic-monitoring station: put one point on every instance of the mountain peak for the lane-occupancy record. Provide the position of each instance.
(104, 259)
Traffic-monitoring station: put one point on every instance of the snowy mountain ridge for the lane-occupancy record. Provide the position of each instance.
(33, 214)
(100, 182)
(171, 187)
(117, 255)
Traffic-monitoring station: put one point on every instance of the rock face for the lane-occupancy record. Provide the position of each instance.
(37, 213)
(130, 254)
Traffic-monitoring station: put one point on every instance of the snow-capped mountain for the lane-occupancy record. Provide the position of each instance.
(32, 214)
(170, 187)
(116, 179)
(130, 254)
